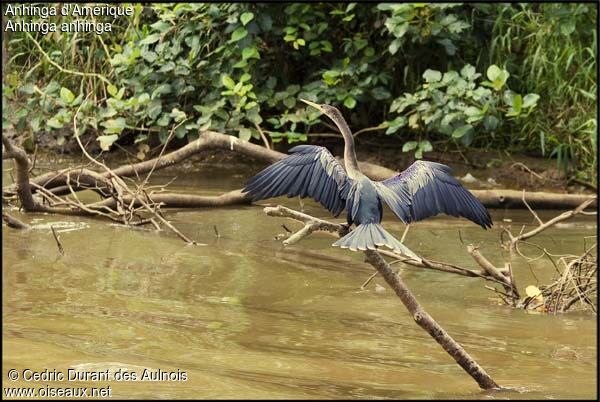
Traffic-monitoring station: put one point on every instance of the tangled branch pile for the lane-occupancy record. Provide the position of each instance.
(575, 288)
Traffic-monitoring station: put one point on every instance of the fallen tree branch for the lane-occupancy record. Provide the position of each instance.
(503, 276)
(174, 200)
(421, 317)
(540, 200)
(425, 321)
(13, 222)
(55, 181)
(514, 240)
(207, 140)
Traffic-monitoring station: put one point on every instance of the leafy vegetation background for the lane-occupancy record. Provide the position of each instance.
(520, 77)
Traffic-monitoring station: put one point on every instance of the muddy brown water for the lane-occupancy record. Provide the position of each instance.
(245, 317)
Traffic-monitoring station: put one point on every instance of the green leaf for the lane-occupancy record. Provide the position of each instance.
(516, 106)
(468, 72)
(164, 120)
(493, 72)
(228, 82)
(149, 56)
(250, 52)
(66, 95)
(177, 115)
(181, 131)
(143, 98)
(518, 103)
(473, 111)
(112, 90)
(114, 126)
(490, 123)
(35, 124)
(426, 146)
(394, 46)
(150, 39)
(244, 134)
(409, 146)
(289, 102)
(160, 26)
(567, 27)
(497, 76)
(154, 109)
(27, 89)
(530, 100)
(380, 93)
(238, 34)
(162, 89)
(461, 131)
(350, 102)
(54, 123)
(246, 18)
(240, 64)
(106, 141)
(245, 77)
(432, 76)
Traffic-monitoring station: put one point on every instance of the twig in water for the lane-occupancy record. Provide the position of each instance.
(58, 243)
(217, 234)
(364, 285)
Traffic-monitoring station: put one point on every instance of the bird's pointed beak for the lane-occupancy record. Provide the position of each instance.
(315, 105)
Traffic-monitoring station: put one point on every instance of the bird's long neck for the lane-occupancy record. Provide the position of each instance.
(349, 151)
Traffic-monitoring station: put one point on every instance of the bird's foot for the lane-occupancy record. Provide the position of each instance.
(345, 229)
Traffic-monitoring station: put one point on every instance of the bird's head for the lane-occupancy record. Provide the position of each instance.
(330, 111)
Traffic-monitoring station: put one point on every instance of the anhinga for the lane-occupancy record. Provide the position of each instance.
(424, 189)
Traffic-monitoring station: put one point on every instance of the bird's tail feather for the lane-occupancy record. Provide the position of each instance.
(369, 236)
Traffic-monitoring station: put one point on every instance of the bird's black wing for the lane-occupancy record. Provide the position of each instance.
(426, 189)
(310, 171)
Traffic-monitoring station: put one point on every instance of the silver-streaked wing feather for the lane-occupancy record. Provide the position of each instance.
(310, 171)
(426, 189)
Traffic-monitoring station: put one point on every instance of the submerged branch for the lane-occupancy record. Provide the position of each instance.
(13, 222)
(425, 321)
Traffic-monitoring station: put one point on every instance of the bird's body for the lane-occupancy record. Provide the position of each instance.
(422, 190)
(369, 209)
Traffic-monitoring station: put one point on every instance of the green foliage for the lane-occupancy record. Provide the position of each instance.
(424, 24)
(454, 105)
(551, 50)
(431, 72)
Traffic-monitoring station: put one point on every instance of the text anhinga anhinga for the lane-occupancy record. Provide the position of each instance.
(424, 189)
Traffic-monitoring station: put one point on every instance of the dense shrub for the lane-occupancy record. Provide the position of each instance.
(420, 71)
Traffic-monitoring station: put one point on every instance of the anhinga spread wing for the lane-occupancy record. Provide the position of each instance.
(426, 189)
(310, 171)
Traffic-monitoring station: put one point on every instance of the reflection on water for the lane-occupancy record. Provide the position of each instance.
(246, 317)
